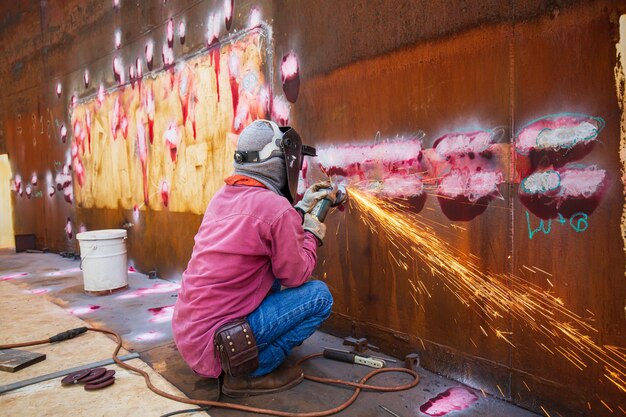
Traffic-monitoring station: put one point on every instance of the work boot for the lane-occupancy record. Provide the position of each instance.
(282, 378)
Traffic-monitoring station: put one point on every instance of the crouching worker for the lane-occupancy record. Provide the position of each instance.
(231, 313)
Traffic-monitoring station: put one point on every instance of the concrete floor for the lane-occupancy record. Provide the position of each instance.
(142, 314)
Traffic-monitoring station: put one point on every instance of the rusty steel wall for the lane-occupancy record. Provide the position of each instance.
(381, 69)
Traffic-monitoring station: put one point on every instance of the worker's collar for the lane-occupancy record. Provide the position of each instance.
(243, 180)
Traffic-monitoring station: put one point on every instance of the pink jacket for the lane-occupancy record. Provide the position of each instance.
(248, 237)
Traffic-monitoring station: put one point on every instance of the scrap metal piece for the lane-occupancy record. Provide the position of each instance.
(412, 361)
(12, 360)
(360, 345)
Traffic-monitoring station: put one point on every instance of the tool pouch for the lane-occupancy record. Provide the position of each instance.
(235, 344)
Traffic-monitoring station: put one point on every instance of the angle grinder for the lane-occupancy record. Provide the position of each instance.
(337, 197)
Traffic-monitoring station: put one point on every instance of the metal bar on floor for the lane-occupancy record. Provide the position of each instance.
(36, 380)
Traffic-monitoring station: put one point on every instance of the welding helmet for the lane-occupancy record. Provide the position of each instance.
(286, 143)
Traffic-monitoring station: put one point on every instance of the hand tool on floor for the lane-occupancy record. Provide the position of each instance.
(369, 356)
(351, 357)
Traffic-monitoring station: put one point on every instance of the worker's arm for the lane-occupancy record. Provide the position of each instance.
(293, 251)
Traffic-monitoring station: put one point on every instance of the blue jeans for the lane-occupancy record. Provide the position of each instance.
(285, 319)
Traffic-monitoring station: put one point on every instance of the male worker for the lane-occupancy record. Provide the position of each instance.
(250, 243)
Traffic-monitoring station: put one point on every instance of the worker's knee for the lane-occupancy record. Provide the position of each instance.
(320, 292)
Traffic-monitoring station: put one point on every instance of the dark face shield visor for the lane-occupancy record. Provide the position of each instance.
(294, 152)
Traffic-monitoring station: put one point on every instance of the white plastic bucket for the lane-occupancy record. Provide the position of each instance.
(103, 260)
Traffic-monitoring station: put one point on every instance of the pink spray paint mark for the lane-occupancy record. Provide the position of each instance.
(213, 29)
(229, 6)
(115, 118)
(558, 139)
(80, 311)
(117, 38)
(118, 70)
(39, 291)
(452, 399)
(192, 114)
(74, 101)
(184, 90)
(63, 133)
(167, 55)
(131, 269)
(79, 170)
(366, 161)
(17, 182)
(136, 213)
(131, 75)
(150, 111)
(68, 195)
(88, 128)
(464, 195)
(182, 28)
(68, 229)
(386, 169)
(215, 59)
(161, 314)
(165, 193)
(143, 157)
(564, 191)
(149, 336)
(172, 141)
(255, 18)
(212, 36)
(63, 272)
(59, 90)
(139, 68)
(14, 276)
(233, 76)
(290, 76)
(170, 32)
(281, 110)
(149, 51)
(468, 177)
(155, 289)
(124, 127)
(100, 97)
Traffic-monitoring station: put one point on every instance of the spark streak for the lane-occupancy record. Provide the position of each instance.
(491, 295)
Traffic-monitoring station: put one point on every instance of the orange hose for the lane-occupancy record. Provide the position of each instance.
(361, 385)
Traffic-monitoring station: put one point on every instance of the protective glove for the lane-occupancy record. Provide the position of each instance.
(313, 194)
(311, 224)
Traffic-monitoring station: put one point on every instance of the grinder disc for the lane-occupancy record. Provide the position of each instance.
(75, 376)
(91, 386)
(95, 373)
(106, 376)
